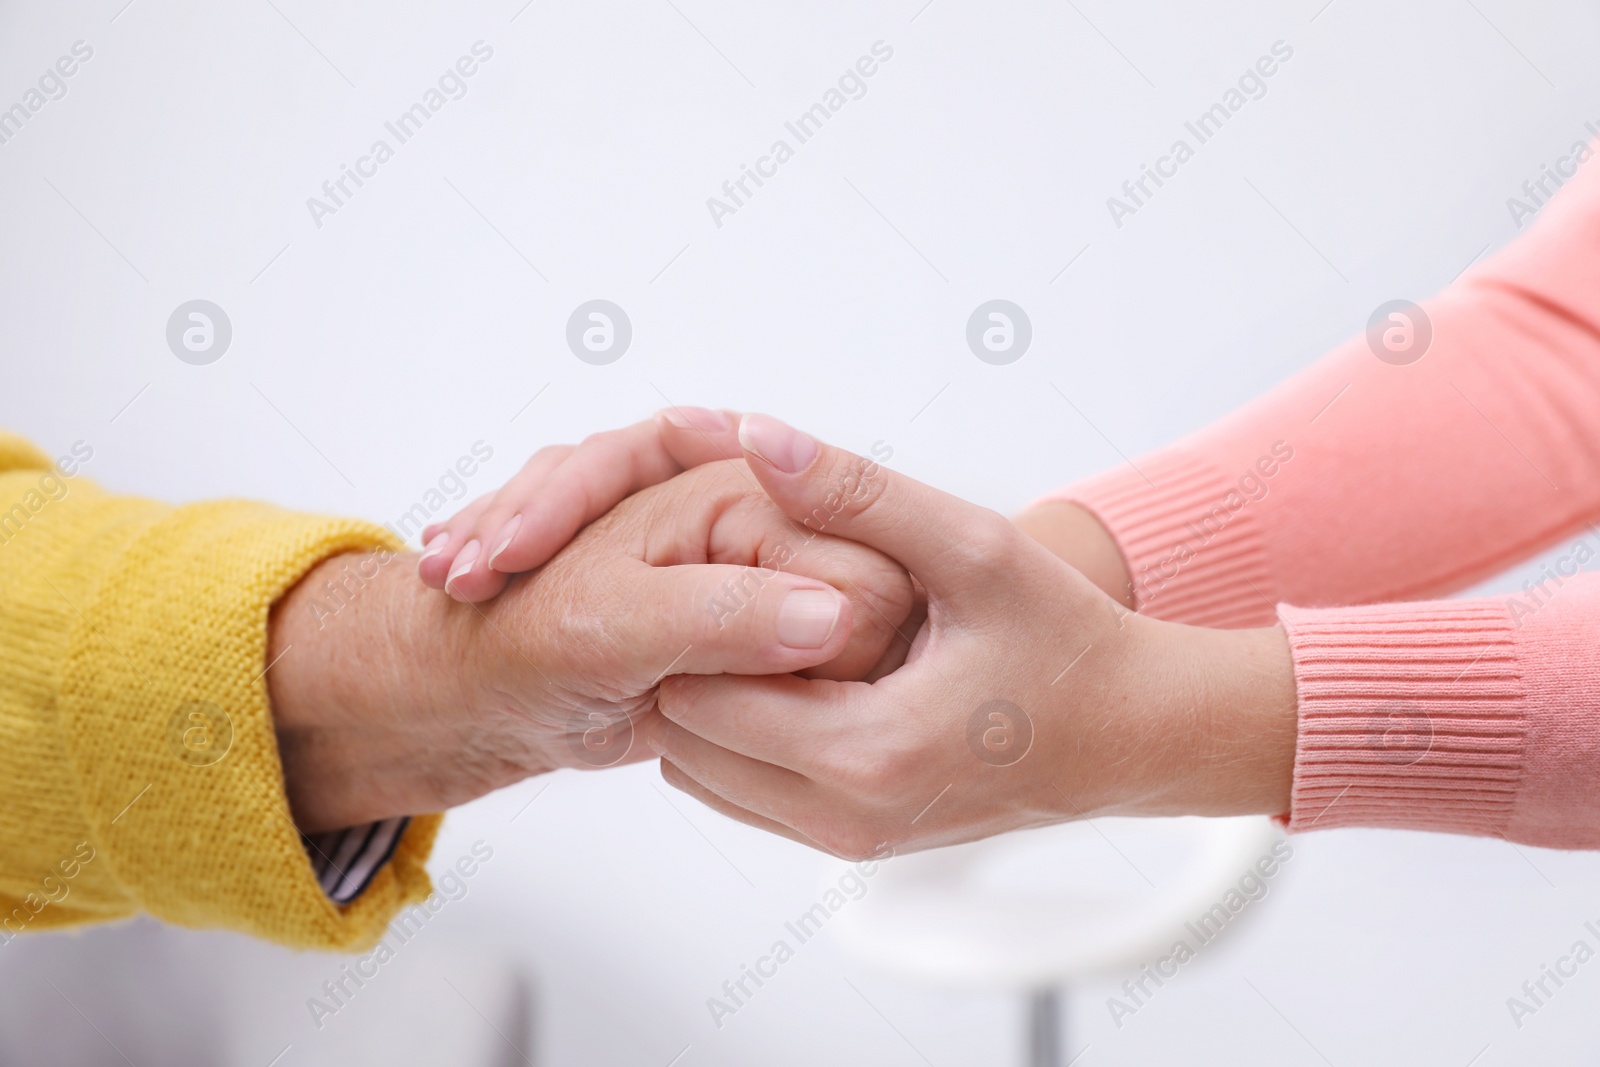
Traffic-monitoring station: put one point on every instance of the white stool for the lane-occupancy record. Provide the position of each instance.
(1030, 912)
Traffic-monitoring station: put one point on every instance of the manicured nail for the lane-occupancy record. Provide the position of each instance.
(507, 532)
(703, 419)
(434, 546)
(807, 617)
(780, 445)
(464, 561)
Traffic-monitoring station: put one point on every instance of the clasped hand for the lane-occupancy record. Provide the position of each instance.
(811, 643)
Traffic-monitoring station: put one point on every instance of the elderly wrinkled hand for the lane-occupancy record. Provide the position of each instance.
(699, 574)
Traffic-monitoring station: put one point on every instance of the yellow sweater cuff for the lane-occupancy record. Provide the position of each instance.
(163, 707)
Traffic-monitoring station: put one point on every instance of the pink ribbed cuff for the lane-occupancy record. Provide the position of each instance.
(1412, 716)
(1191, 538)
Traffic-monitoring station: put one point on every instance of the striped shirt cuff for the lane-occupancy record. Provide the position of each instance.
(346, 861)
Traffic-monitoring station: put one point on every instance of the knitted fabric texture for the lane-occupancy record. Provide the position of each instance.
(1427, 454)
(121, 620)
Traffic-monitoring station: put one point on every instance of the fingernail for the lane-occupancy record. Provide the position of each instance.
(434, 546)
(507, 532)
(656, 737)
(464, 561)
(807, 617)
(780, 445)
(696, 419)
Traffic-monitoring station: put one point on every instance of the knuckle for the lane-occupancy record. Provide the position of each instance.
(496, 515)
(721, 473)
(547, 454)
(602, 440)
(711, 490)
(589, 639)
(851, 490)
(876, 775)
(724, 609)
(888, 589)
(991, 547)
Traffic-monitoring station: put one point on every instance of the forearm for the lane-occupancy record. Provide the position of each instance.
(1235, 715)
(1362, 479)
(337, 658)
(1457, 716)
(1226, 698)
(1460, 716)
(1189, 721)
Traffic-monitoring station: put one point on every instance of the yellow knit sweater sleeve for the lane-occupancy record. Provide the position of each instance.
(139, 770)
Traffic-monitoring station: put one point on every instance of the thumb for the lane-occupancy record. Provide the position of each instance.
(692, 436)
(704, 618)
(941, 539)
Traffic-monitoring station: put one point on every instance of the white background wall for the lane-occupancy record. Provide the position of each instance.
(370, 352)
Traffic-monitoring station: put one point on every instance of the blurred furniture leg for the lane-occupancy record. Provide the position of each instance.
(1045, 1037)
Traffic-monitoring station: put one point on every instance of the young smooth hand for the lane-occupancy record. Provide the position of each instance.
(561, 489)
(1029, 696)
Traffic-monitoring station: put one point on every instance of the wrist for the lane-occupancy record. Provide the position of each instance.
(1073, 534)
(1231, 719)
(363, 659)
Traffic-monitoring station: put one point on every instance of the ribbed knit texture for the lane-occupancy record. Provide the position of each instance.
(1413, 473)
(1411, 715)
(117, 615)
(1192, 544)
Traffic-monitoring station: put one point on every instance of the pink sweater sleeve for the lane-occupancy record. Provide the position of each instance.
(1369, 479)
